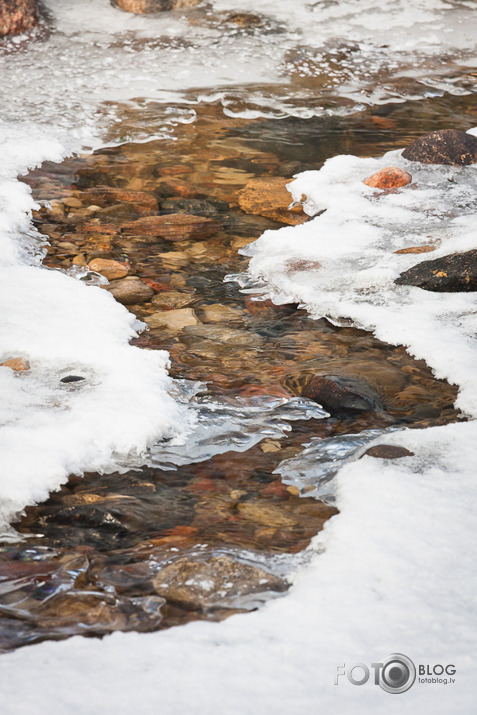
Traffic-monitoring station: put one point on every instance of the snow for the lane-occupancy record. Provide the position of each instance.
(393, 571)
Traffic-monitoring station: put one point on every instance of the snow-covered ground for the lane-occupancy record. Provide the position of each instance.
(391, 573)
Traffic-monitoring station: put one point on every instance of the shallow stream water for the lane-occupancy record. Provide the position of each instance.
(113, 552)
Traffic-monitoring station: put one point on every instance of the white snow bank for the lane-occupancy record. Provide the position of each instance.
(397, 575)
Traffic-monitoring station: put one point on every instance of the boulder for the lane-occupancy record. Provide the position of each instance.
(17, 16)
(446, 146)
(449, 274)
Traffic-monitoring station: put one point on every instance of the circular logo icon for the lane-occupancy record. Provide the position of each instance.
(397, 674)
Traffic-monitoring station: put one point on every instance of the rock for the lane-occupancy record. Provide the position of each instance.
(446, 146)
(453, 273)
(200, 585)
(172, 319)
(389, 178)
(173, 299)
(173, 260)
(141, 201)
(342, 395)
(174, 227)
(112, 270)
(72, 203)
(269, 197)
(143, 7)
(387, 451)
(417, 249)
(17, 364)
(130, 290)
(197, 207)
(72, 378)
(17, 16)
(218, 313)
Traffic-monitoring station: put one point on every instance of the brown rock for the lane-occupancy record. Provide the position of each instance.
(417, 249)
(141, 201)
(17, 364)
(269, 197)
(17, 16)
(129, 291)
(143, 7)
(172, 319)
(174, 227)
(72, 203)
(388, 451)
(172, 299)
(342, 395)
(449, 274)
(446, 146)
(201, 585)
(389, 178)
(112, 270)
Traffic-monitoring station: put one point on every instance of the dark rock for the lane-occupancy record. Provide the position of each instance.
(388, 451)
(449, 274)
(342, 395)
(446, 146)
(198, 207)
(17, 16)
(72, 378)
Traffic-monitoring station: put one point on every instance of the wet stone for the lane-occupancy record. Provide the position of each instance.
(174, 227)
(72, 378)
(267, 196)
(219, 581)
(387, 451)
(144, 7)
(446, 146)
(197, 207)
(173, 319)
(449, 274)
(390, 177)
(129, 291)
(342, 395)
(112, 270)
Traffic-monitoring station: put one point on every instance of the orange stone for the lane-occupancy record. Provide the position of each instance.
(112, 270)
(269, 197)
(417, 249)
(17, 364)
(389, 178)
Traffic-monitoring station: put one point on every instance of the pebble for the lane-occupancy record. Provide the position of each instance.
(390, 177)
(17, 364)
(130, 290)
(172, 319)
(112, 270)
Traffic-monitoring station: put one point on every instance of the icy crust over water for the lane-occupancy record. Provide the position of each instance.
(301, 59)
(50, 429)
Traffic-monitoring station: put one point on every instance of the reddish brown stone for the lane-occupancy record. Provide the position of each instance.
(17, 16)
(17, 364)
(141, 201)
(417, 249)
(174, 227)
(389, 178)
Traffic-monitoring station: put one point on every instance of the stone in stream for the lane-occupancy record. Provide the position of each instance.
(198, 207)
(445, 146)
(174, 227)
(449, 274)
(172, 319)
(17, 16)
(143, 7)
(342, 396)
(112, 270)
(141, 201)
(17, 364)
(390, 177)
(200, 585)
(130, 291)
(387, 451)
(268, 196)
